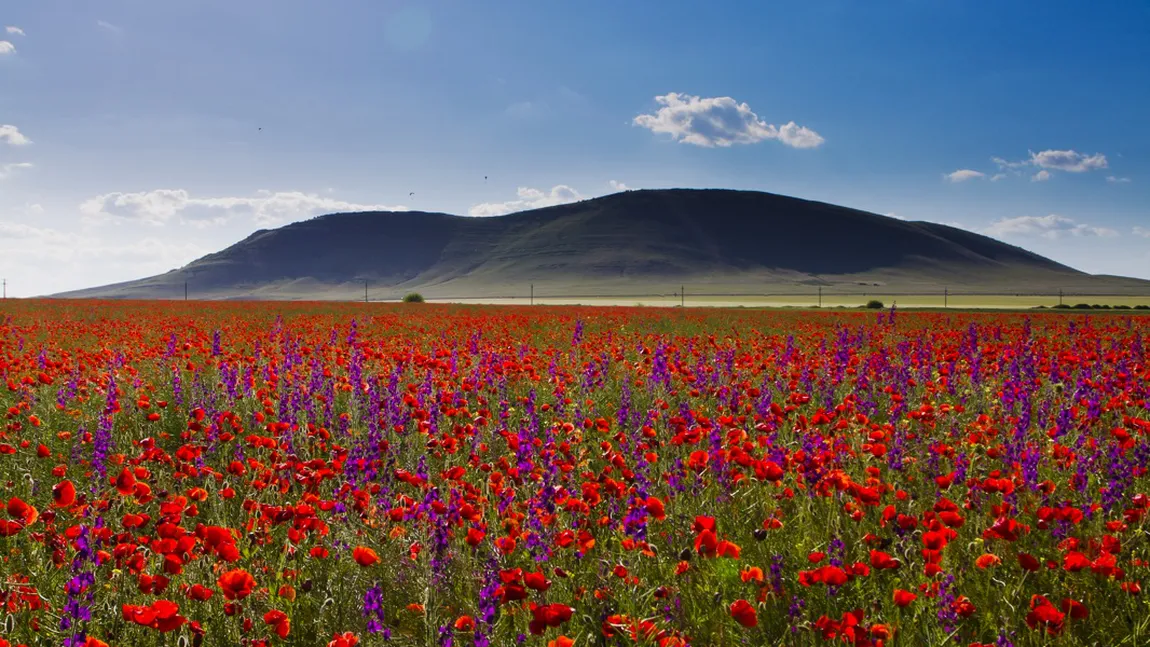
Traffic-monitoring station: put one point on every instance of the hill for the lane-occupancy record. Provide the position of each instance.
(721, 241)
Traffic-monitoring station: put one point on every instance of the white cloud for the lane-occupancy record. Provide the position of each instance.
(1051, 160)
(963, 175)
(1070, 161)
(1142, 231)
(528, 199)
(797, 136)
(104, 24)
(997, 176)
(13, 135)
(6, 170)
(1003, 164)
(7, 48)
(719, 121)
(53, 244)
(958, 225)
(1052, 227)
(265, 208)
(618, 186)
(16, 31)
(39, 260)
(895, 216)
(1117, 180)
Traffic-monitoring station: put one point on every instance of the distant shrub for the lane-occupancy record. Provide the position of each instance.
(413, 297)
(1121, 307)
(1081, 306)
(1061, 306)
(1141, 307)
(874, 304)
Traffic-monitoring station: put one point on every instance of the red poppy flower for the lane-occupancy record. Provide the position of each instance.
(364, 556)
(64, 494)
(125, 483)
(1028, 562)
(744, 613)
(987, 560)
(279, 622)
(464, 623)
(881, 560)
(345, 639)
(903, 598)
(236, 584)
(655, 508)
(537, 581)
(200, 593)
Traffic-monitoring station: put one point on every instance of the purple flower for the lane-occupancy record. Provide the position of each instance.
(373, 611)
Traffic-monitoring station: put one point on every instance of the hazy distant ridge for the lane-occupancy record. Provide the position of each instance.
(626, 243)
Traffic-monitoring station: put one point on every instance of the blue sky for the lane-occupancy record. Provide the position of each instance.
(131, 141)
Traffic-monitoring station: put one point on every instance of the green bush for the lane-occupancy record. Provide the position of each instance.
(413, 297)
(874, 304)
(1081, 306)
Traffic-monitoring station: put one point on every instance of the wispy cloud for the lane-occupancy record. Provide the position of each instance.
(6, 170)
(1052, 227)
(15, 31)
(1117, 180)
(266, 208)
(12, 135)
(6, 48)
(719, 121)
(1069, 161)
(71, 253)
(617, 185)
(107, 26)
(527, 199)
(1142, 231)
(962, 175)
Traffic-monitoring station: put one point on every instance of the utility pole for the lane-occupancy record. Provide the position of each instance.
(820, 296)
(682, 296)
(532, 301)
(945, 296)
(365, 290)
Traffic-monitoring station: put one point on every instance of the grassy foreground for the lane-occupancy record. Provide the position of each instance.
(423, 474)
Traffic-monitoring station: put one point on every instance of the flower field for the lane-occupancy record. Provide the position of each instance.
(354, 474)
